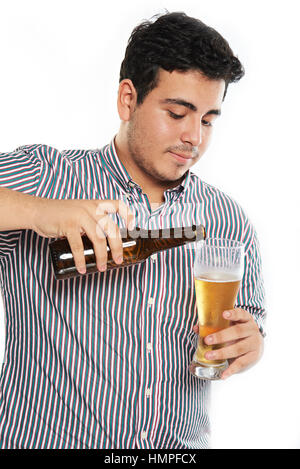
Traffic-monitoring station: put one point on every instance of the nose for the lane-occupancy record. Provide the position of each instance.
(192, 134)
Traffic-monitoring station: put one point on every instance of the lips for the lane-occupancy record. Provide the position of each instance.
(180, 157)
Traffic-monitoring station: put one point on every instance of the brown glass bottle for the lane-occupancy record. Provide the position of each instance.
(137, 246)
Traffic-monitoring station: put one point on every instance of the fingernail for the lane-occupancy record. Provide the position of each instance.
(102, 267)
(81, 270)
(227, 314)
(119, 260)
(210, 355)
(209, 339)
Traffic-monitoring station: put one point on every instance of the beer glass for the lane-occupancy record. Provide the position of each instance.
(218, 270)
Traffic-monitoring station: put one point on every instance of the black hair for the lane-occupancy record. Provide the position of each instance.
(176, 41)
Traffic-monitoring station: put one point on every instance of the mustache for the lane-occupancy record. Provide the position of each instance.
(185, 149)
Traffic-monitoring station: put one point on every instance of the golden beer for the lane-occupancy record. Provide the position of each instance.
(218, 270)
(214, 295)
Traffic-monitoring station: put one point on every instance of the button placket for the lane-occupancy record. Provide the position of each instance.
(150, 301)
(144, 415)
(154, 257)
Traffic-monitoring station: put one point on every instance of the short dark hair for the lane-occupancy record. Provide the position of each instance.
(176, 41)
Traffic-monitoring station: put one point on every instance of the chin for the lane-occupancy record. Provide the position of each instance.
(172, 177)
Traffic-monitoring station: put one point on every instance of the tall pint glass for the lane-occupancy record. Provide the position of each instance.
(218, 270)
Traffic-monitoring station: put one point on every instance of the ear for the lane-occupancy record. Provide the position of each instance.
(127, 98)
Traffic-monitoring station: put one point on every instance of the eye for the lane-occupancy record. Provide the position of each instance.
(175, 116)
(207, 123)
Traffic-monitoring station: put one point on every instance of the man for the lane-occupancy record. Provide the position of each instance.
(101, 361)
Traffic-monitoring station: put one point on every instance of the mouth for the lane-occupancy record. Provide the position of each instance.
(181, 158)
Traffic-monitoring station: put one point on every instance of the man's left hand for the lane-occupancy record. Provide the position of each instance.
(243, 342)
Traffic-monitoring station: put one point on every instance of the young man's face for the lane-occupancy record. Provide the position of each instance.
(171, 129)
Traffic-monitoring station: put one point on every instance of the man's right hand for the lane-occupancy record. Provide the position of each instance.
(71, 218)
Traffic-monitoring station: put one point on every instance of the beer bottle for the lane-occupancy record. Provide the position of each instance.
(138, 245)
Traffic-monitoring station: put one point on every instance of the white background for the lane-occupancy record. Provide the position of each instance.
(59, 65)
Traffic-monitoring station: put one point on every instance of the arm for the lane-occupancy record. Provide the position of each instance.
(16, 209)
(54, 218)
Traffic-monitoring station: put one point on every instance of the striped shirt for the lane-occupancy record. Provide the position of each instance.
(101, 360)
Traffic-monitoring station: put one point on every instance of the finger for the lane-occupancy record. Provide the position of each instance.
(235, 350)
(237, 314)
(235, 332)
(99, 243)
(105, 207)
(240, 364)
(77, 249)
(111, 230)
(99, 247)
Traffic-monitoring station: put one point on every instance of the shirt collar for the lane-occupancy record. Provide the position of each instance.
(119, 172)
(114, 165)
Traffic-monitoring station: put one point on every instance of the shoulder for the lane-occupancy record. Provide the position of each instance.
(50, 155)
(47, 152)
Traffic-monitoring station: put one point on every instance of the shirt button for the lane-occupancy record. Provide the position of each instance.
(149, 347)
(148, 392)
(150, 301)
(154, 257)
(144, 435)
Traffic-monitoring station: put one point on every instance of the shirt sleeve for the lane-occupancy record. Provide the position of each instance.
(20, 170)
(38, 170)
(251, 295)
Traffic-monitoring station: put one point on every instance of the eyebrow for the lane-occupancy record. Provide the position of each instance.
(192, 107)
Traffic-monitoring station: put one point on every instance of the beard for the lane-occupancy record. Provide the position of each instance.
(138, 149)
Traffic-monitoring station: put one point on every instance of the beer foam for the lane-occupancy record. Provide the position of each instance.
(218, 277)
